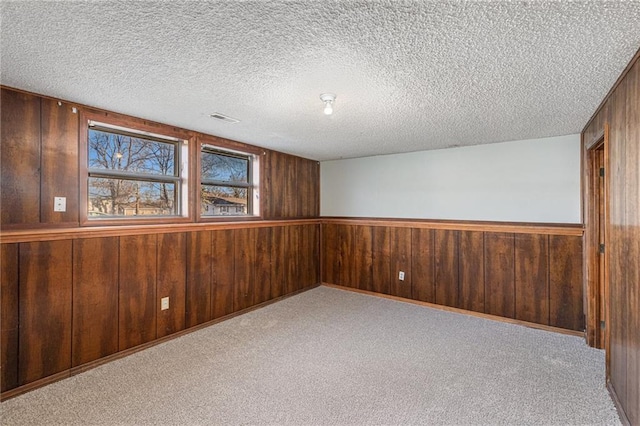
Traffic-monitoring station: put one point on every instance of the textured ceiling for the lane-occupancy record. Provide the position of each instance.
(408, 75)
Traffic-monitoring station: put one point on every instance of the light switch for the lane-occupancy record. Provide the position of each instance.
(164, 303)
(59, 204)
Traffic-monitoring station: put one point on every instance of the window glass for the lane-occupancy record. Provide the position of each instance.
(224, 168)
(131, 175)
(226, 183)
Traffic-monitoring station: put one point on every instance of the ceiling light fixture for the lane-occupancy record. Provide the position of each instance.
(328, 99)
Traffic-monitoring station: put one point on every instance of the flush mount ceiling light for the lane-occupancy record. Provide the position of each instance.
(328, 99)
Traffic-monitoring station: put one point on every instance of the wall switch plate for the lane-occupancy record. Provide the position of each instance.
(164, 303)
(59, 204)
(401, 276)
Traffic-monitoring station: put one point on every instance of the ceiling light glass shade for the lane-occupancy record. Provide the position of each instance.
(328, 99)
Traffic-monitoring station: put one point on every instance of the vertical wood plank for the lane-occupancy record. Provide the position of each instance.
(172, 283)
(278, 261)
(263, 265)
(95, 299)
(199, 278)
(223, 269)
(45, 309)
(381, 259)
(499, 273)
(307, 263)
(532, 278)
(363, 258)
(565, 282)
(631, 241)
(423, 265)
(346, 259)
(244, 256)
(137, 294)
(20, 166)
(471, 258)
(292, 249)
(9, 320)
(616, 250)
(446, 263)
(315, 255)
(59, 162)
(400, 250)
(330, 258)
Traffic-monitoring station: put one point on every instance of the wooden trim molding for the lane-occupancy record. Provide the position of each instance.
(576, 230)
(461, 311)
(31, 235)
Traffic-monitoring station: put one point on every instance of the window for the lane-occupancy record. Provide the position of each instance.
(227, 183)
(132, 174)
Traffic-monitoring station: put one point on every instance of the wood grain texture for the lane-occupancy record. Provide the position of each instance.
(278, 261)
(346, 256)
(532, 278)
(45, 309)
(330, 249)
(400, 251)
(381, 259)
(446, 265)
(172, 283)
(222, 270)
(199, 278)
(423, 265)
(471, 270)
(9, 316)
(20, 166)
(59, 174)
(362, 262)
(290, 186)
(137, 293)
(499, 274)
(565, 282)
(308, 256)
(264, 244)
(632, 241)
(244, 274)
(95, 299)
(292, 250)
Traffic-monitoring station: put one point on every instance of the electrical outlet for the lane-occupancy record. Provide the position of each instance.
(401, 276)
(59, 204)
(164, 303)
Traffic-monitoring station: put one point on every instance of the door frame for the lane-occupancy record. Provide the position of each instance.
(596, 289)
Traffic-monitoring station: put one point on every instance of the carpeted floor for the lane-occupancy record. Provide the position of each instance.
(332, 357)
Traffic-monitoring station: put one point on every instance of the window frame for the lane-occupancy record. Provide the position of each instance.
(230, 148)
(130, 126)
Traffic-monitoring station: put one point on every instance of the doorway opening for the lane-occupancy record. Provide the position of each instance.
(596, 243)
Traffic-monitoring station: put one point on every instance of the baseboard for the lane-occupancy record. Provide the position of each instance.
(93, 364)
(462, 311)
(614, 396)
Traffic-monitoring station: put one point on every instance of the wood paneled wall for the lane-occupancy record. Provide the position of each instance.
(66, 303)
(621, 112)
(291, 187)
(534, 277)
(40, 160)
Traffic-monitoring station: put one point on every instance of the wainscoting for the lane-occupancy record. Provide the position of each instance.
(77, 297)
(527, 272)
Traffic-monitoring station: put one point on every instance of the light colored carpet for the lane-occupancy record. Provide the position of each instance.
(329, 356)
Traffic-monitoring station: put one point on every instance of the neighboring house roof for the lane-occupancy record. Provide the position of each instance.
(230, 201)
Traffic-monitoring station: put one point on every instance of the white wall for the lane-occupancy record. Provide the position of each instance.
(536, 180)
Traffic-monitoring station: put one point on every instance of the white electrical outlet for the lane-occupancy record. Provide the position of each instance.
(164, 303)
(401, 276)
(59, 204)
